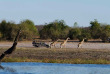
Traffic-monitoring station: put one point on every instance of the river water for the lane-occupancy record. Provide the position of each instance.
(52, 68)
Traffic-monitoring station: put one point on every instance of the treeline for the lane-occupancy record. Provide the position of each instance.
(8, 30)
(59, 30)
(54, 30)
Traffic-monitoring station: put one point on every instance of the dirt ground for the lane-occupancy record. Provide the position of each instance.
(88, 51)
(86, 45)
(45, 53)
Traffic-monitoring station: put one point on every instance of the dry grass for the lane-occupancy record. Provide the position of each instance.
(74, 56)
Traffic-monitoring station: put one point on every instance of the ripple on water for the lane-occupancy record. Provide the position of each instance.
(53, 68)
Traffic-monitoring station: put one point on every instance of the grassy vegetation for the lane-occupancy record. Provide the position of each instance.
(70, 61)
(71, 56)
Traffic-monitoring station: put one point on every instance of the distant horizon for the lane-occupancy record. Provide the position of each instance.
(41, 12)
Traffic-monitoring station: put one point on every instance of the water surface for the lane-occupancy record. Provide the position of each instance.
(52, 68)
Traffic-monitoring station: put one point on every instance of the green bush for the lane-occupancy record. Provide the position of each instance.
(54, 30)
(29, 30)
(105, 33)
(74, 33)
(8, 30)
(95, 29)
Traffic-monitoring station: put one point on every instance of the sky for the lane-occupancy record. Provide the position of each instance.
(46, 11)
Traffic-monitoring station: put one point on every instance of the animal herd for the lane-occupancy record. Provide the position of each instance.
(53, 44)
(64, 43)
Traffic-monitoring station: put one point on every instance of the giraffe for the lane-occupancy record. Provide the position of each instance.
(53, 43)
(63, 43)
(80, 44)
(10, 50)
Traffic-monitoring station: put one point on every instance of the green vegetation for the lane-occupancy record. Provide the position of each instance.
(74, 33)
(58, 29)
(8, 30)
(70, 61)
(29, 30)
(95, 29)
(54, 30)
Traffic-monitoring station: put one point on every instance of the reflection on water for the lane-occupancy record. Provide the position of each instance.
(1, 67)
(7, 69)
(50, 68)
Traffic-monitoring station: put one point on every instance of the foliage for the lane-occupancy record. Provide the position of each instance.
(0, 35)
(95, 29)
(54, 30)
(28, 29)
(105, 33)
(8, 30)
(74, 33)
(75, 25)
(85, 33)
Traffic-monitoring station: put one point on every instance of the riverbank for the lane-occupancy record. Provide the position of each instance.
(65, 55)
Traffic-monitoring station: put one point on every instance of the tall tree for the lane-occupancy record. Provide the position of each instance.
(8, 30)
(95, 29)
(75, 25)
(28, 29)
(55, 30)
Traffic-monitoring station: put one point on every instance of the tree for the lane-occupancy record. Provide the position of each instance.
(74, 33)
(28, 29)
(0, 35)
(105, 32)
(55, 30)
(95, 29)
(3, 28)
(75, 25)
(8, 30)
(85, 33)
